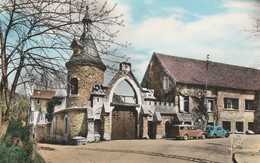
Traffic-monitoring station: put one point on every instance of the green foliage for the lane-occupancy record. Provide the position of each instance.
(20, 108)
(50, 106)
(201, 113)
(14, 153)
(202, 109)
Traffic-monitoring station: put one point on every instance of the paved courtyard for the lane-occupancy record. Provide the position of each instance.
(164, 150)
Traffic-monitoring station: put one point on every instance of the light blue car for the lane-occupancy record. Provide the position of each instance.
(216, 131)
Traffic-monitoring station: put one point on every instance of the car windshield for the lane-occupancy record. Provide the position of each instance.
(209, 128)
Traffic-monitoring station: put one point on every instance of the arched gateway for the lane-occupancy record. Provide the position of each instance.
(123, 110)
(123, 116)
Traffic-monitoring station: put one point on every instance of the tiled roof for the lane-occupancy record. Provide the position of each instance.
(43, 94)
(88, 53)
(191, 71)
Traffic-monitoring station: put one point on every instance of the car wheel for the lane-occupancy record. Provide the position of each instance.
(214, 136)
(186, 137)
(203, 136)
(227, 135)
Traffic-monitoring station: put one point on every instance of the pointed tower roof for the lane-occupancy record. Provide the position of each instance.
(88, 54)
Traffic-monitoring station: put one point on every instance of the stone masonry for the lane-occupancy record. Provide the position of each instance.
(87, 77)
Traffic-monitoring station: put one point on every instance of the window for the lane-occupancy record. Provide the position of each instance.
(210, 105)
(74, 86)
(249, 105)
(226, 125)
(186, 104)
(240, 126)
(251, 126)
(231, 103)
(166, 83)
(66, 125)
(59, 102)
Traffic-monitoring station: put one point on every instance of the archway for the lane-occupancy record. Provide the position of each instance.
(124, 114)
(168, 129)
(126, 105)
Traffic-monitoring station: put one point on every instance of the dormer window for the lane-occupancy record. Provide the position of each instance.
(74, 86)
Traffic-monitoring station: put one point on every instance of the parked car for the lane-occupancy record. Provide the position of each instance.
(239, 132)
(250, 132)
(216, 131)
(187, 131)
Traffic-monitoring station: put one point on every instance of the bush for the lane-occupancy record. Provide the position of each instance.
(11, 152)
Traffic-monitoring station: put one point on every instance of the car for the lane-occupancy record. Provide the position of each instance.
(250, 132)
(239, 132)
(216, 131)
(187, 131)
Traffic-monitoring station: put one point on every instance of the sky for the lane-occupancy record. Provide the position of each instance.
(190, 29)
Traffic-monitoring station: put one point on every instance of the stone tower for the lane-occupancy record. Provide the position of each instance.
(85, 68)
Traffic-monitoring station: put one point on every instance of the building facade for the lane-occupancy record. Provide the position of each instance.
(96, 112)
(231, 93)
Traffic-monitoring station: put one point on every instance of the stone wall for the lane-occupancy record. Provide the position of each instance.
(235, 115)
(257, 112)
(40, 104)
(60, 124)
(42, 133)
(78, 125)
(145, 128)
(153, 79)
(107, 127)
(87, 76)
(161, 125)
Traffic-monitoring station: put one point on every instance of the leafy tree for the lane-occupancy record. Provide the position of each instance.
(36, 35)
(50, 106)
(201, 113)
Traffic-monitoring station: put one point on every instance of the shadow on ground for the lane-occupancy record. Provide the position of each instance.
(155, 154)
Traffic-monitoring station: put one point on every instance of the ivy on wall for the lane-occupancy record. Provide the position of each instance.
(50, 106)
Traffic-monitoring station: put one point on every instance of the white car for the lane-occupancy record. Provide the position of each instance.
(250, 132)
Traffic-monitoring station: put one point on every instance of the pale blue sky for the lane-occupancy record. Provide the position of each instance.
(189, 28)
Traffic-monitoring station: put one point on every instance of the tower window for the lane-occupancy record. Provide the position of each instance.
(74, 86)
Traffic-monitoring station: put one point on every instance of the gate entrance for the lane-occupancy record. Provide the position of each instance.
(124, 123)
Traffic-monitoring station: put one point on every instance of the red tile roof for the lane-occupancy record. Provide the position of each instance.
(191, 71)
(43, 94)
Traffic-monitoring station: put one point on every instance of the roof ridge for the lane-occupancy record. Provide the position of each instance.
(206, 61)
(193, 71)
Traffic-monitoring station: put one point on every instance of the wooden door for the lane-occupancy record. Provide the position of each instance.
(124, 123)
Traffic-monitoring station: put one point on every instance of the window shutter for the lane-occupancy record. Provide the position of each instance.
(181, 104)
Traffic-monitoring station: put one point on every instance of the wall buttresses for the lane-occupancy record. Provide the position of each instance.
(145, 128)
(107, 127)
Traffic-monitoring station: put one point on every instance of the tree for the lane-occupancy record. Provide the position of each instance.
(36, 35)
(256, 18)
(201, 112)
